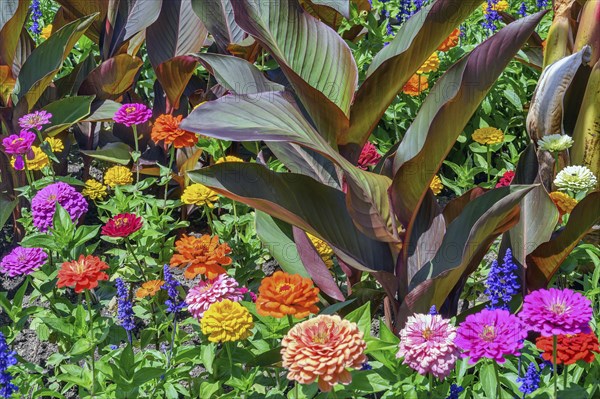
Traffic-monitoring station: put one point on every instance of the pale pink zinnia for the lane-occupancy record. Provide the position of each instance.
(35, 120)
(492, 334)
(557, 312)
(427, 345)
(368, 156)
(200, 297)
(132, 114)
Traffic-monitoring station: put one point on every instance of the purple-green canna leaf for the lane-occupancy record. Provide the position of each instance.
(74, 9)
(112, 78)
(66, 112)
(11, 22)
(217, 16)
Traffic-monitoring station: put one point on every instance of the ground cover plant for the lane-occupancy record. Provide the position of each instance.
(299, 199)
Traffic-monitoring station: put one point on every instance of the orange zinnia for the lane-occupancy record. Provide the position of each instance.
(149, 288)
(287, 294)
(415, 85)
(83, 274)
(166, 127)
(570, 348)
(202, 255)
(451, 41)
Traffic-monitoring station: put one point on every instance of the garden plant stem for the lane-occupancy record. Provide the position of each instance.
(130, 248)
(498, 389)
(489, 161)
(88, 299)
(171, 156)
(35, 286)
(430, 376)
(565, 376)
(554, 349)
(137, 155)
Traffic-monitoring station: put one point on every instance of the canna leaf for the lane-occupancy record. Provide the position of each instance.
(217, 16)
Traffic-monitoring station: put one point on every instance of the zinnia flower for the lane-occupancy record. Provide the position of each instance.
(118, 176)
(82, 274)
(555, 312)
(415, 85)
(94, 190)
(432, 64)
(570, 348)
(56, 145)
(38, 161)
(530, 382)
(436, 185)
(199, 194)
(226, 321)
(502, 282)
(491, 334)
(488, 136)
(7, 359)
(43, 204)
(229, 158)
(427, 345)
(501, 5)
(35, 120)
(555, 142)
(575, 178)
(323, 249)
(202, 255)
(287, 294)
(46, 32)
(132, 114)
(564, 203)
(368, 156)
(19, 145)
(200, 297)
(149, 288)
(506, 179)
(322, 349)
(451, 41)
(122, 225)
(166, 127)
(21, 261)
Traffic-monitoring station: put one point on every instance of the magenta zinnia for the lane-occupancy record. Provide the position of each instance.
(491, 334)
(21, 261)
(200, 297)
(43, 204)
(557, 312)
(19, 145)
(133, 114)
(427, 345)
(35, 120)
(368, 156)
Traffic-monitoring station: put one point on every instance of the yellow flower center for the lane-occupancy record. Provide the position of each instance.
(52, 197)
(558, 308)
(130, 109)
(427, 333)
(320, 337)
(488, 333)
(80, 266)
(206, 288)
(121, 222)
(17, 140)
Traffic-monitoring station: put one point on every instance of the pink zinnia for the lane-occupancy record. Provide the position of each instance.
(200, 297)
(492, 334)
(19, 145)
(368, 156)
(43, 205)
(506, 179)
(557, 312)
(22, 261)
(133, 114)
(35, 120)
(427, 345)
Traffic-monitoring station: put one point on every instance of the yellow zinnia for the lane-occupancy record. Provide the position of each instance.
(488, 135)
(118, 176)
(94, 190)
(46, 32)
(436, 185)
(226, 321)
(564, 203)
(431, 65)
(502, 5)
(229, 158)
(38, 162)
(324, 250)
(55, 144)
(199, 194)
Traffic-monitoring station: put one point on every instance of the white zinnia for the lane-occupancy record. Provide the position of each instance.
(555, 142)
(575, 178)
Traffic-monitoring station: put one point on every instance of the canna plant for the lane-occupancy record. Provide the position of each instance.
(387, 223)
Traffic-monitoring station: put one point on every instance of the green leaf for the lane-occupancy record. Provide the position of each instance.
(11, 26)
(362, 317)
(47, 393)
(44, 62)
(59, 325)
(82, 346)
(117, 152)
(6, 208)
(103, 111)
(208, 389)
(487, 377)
(332, 309)
(66, 112)
(208, 355)
(302, 202)
(446, 111)
(146, 374)
(217, 16)
(266, 359)
(391, 68)
(327, 83)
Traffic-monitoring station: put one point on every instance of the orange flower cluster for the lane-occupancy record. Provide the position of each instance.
(415, 85)
(570, 348)
(451, 41)
(287, 294)
(202, 255)
(149, 288)
(166, 127)
(82, 274)
(323, 348)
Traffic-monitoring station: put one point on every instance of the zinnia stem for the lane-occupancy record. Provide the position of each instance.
(554, 351)
(430, 376)
(88, 299)
(489, 161)
(35, 286)
(130, 248)
(290, 321)
(228, 350)
(171, 157)
(499, 388)
(565, 376)
(137, 155)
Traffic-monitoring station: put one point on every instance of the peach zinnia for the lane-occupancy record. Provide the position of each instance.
(415, 85)
(204, 255)
(287, 294)
(166, 127)
(82, 274)
(323, 348)
(149, 288)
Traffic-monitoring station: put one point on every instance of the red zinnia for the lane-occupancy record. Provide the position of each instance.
(506, 179)
(83, 274)
(570, 348)
(122, 225)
